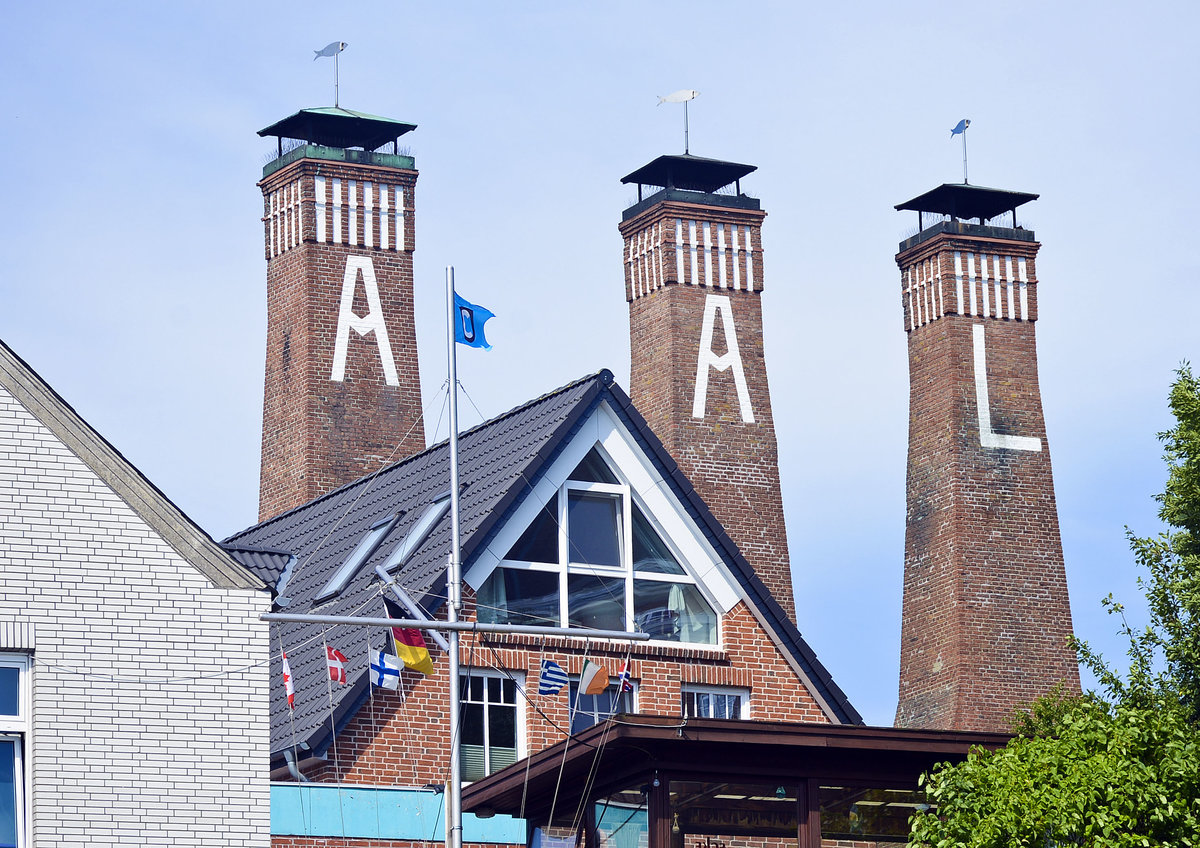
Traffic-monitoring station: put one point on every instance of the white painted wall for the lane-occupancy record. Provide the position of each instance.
(158, 757)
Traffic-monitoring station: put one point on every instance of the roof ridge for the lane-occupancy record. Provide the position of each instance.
(174, 527)
(604, 375)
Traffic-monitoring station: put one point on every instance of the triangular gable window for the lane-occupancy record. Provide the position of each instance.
(650, 552)
(593, 558)
(540, 542)
(593, 469)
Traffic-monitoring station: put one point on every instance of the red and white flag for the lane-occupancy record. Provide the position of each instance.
(336, 661)
(288, 685)
(624, 677)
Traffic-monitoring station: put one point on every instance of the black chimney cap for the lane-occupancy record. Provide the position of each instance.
(334, 126)
(962, 200)
(691, 173)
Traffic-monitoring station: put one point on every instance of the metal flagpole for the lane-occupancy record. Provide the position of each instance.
(964, 135)
(335, 78)
(685, 128)
(453, 583)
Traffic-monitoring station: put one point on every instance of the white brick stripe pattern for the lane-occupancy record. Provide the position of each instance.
(284, 218)
(925, 293)
(984, 287)
(706, 253)
(374, 215)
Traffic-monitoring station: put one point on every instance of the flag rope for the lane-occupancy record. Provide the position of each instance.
(337, 767)
(295, 751)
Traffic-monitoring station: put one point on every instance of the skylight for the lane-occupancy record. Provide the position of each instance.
(369, 544)
(417, 533)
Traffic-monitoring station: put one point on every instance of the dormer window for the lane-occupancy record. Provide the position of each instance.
(593, 558)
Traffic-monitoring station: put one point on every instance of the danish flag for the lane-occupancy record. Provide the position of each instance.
(336, 661)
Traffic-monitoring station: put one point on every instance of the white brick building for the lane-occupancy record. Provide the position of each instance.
(133, 675)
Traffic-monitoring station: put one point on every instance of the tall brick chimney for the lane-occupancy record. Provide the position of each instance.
(694, 282)
(986, 616)
(343, 394)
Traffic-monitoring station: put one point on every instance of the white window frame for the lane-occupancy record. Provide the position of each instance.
(626, 456)
(704, 689)
(518, 679)
(16, 728)
(573, 685)
(625, 571)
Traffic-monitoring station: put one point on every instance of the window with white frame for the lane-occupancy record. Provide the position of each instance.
(491, 723)
(715, 702)
(587, 710)
(14, 729)
(594, 558)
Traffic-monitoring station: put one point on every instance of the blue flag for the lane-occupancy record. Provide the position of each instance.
(468, 323)
(960, 127)
(552, 679)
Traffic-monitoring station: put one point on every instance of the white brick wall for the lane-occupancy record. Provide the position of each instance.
(163, 758)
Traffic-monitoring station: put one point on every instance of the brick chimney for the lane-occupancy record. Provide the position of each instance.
(694, 283)
(986, 615)
(343, 393)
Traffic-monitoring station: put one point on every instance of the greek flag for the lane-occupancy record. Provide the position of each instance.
(385, 670)
(552, 678)
(468, 323)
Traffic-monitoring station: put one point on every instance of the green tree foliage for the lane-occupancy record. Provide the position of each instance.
(1120, 767)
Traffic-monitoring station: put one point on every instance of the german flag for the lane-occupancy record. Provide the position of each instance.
(408, 643)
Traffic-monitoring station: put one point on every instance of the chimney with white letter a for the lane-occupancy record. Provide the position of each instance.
(694, 283)
(342, 394)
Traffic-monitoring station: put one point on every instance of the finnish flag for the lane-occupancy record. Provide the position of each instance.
(385, 670)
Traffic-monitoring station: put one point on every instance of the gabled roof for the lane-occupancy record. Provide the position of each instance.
(166, 519)
(500, 463)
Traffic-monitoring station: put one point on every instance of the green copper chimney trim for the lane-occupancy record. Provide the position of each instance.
(339, 154)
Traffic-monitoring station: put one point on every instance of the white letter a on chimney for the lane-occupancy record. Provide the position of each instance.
(371, 322)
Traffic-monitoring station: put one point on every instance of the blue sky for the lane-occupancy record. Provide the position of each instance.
(134, 278)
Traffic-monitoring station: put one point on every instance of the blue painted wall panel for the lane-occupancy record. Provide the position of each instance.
(376, 812)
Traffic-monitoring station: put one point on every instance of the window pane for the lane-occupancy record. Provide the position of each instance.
(650, 553)
(593, 469)
(472, 724)
(674, 611)
(8, 791)
(597, 602)
(876, 815)
(593, 524)
(519, 596)
(472, 763)
(10, 681)
(539, 542)
(502, 727)
(590, 709)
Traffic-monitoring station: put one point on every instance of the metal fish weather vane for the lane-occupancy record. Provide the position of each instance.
(961, 129)
(333, 48)
(681, 96)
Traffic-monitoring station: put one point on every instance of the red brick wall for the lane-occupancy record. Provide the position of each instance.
(402, 738)
(986, 615)
(733, 465)
(317, 433)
